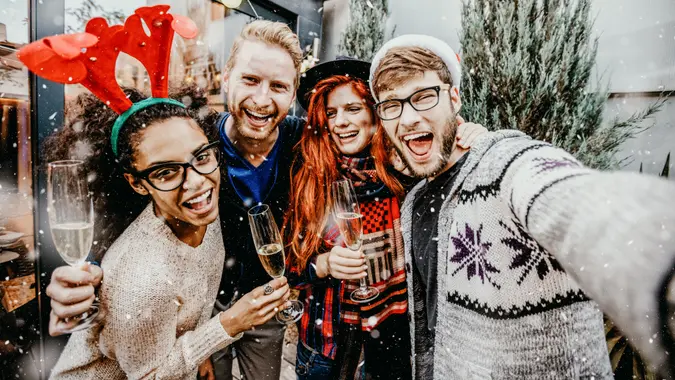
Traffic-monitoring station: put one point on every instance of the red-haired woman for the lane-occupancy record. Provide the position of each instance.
(341, 140)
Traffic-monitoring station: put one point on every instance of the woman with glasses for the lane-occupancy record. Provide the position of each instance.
(342, 140)
(156, 205)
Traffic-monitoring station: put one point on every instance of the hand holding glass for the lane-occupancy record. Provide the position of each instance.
(349, 220)
(270, 248)
(71, 220)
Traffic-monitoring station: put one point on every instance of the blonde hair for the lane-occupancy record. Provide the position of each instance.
(272, 33)
(402, 63)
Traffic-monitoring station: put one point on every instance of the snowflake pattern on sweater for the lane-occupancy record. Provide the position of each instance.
(470, 254)
(529, 253)
(494, 266)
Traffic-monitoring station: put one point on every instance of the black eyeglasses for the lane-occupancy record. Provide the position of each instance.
(172, 175)
(421, 100)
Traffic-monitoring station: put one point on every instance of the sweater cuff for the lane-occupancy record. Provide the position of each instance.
(208, 339)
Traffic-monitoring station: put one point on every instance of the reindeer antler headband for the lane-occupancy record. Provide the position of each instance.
(89, 58)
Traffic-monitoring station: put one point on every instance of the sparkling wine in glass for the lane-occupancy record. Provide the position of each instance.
(350, 222)
(270, 248)
(272, 259)
(71, 221)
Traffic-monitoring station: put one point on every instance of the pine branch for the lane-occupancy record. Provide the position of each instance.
(365, 32)
(528, 65)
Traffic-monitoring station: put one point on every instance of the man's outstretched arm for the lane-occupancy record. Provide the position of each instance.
(613, 232)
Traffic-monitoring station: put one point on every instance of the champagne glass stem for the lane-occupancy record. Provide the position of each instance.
(363, 284)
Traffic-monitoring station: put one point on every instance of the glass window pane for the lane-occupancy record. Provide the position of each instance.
(18, 303)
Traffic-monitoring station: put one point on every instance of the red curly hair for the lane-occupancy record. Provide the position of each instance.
(317, 169)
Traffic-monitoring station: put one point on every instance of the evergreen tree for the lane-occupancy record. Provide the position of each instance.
(528, 65)
(365, 33)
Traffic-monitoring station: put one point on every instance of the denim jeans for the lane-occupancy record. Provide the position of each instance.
(310, 365)
(386, 355)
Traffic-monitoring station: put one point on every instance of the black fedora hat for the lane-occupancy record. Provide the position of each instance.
(342, 65)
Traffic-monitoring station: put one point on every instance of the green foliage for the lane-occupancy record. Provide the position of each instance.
(528, 65)
(365, 33)
(625, 360)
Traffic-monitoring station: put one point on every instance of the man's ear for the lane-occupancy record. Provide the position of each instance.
(136, 184)
(455, 99)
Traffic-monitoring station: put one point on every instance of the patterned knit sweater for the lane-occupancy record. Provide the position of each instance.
(159, 295)
(526, 236)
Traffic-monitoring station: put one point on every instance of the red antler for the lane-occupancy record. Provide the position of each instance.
(100, 61)
(89, 58)
(55, 58)
(86, 58)
(154, 50)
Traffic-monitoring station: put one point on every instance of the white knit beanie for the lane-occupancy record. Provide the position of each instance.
(438, 47)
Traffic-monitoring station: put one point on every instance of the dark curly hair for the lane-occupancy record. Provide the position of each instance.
(86, 136)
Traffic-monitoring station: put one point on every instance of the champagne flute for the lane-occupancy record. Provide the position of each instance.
(71, 221)
(350, 222)
(270, 248)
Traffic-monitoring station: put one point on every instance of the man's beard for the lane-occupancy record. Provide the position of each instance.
(245, 132)
(238, 116)
(447, 147)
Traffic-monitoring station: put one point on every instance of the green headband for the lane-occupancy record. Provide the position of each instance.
(145, 103)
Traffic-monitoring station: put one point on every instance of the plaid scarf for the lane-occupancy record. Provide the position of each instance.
(361, 171)
(382, 245)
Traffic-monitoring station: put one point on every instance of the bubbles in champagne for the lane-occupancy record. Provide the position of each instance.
(272, 259)
(73, 241)
(350, 225)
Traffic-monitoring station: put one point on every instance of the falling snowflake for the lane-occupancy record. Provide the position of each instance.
(187, 100)
(78, 126)
(81, 150)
